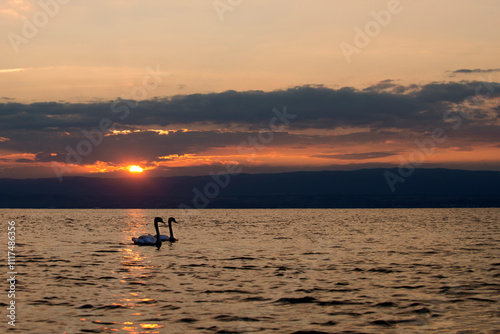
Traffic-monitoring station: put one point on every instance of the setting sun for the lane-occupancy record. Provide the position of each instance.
(135, 169)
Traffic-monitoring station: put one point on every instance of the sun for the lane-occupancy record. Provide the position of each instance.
(135, 169)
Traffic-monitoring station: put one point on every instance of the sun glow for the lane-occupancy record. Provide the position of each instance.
(135, 169)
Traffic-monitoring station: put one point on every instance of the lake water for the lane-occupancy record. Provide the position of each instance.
(267, 271)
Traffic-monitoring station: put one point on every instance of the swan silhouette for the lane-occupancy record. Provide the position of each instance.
(171, 237)
(149, 240)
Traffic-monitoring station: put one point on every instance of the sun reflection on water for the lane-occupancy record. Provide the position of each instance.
(134, 329)
(133, 273)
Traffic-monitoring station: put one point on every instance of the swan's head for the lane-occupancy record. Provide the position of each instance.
(159, 220)
(172, 220)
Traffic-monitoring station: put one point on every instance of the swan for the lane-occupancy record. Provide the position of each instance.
(149, 240)
(171, 237)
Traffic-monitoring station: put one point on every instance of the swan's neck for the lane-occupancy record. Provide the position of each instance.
(171, 231)
(158, 238)
(157, 230)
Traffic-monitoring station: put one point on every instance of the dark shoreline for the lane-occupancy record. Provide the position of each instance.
(425, 188)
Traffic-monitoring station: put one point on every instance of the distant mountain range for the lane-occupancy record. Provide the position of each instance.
(367, 188)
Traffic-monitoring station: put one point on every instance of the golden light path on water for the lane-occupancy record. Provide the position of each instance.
(137, 268)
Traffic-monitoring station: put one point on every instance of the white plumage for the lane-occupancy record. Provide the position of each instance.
(150, 240)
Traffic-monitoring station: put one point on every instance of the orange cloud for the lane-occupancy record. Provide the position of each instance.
(16, 8)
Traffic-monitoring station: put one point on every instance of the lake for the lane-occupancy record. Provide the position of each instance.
(251, 271)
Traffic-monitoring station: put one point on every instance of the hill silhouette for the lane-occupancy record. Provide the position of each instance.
(367, 188)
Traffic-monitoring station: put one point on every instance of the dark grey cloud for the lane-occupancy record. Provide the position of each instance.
(476, 70)
(455, 92)
(387, 111)
(149, 146)
(382, 85)
(315, 106)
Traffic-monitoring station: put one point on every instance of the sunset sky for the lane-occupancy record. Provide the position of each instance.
(187, 87)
